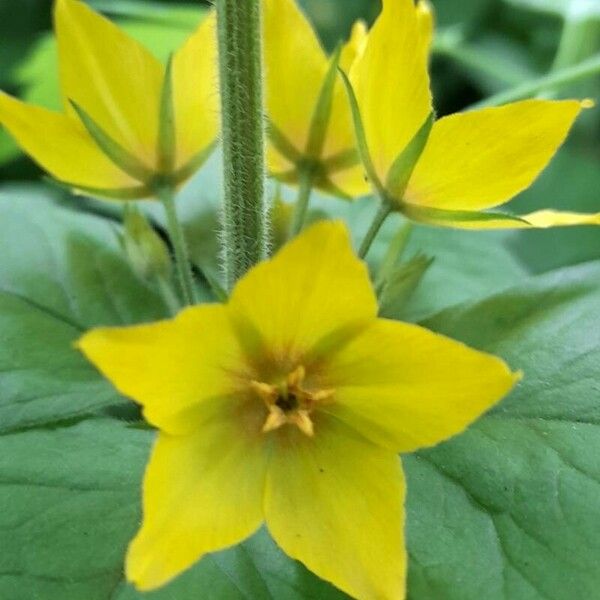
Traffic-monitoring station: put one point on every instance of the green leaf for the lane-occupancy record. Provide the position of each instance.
(568, 184)
(511, 508)
(508, 510)
(60, 274)
(70, 505)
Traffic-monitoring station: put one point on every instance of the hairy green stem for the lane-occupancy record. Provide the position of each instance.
(579, 40)
(302, 201)
(450, 43)
(182, 261)
(555, 80)
(382, 214)
(245, 216)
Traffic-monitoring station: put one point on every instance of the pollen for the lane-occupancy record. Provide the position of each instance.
(291, 401)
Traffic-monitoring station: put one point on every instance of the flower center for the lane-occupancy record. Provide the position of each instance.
(289, 402)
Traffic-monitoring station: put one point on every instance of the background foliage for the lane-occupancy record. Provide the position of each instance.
(508, 511)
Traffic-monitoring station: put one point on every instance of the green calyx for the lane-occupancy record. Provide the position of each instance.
(151, 179)
(402, 168)
(439, 216)
(309, 163)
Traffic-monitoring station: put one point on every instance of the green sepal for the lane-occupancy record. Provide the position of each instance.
(447, 218)
(133, 193)
(361, 137)
(292, 177)
(327, 186)
(185, 172)
(405, 163)
(400, 285)
(344, 159)
(167, 141)
(322, 113)
(121, 157)
(282, 144)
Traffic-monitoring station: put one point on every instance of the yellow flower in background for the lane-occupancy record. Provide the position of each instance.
(311, 130)
(154, 123)
(450, 171)
(288, 406)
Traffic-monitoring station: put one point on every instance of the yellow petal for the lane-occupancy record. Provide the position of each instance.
(181, 371)
(426, 21)
(352, 181)
(60, 146)
(295, 67)
(201, 493)
(194, 85)
(355, 45)
(336, 503)
(314, 288)
(112, 77)
(551, 218)
(392, 84)
(405, 387)
(481, 159)
(541, 219)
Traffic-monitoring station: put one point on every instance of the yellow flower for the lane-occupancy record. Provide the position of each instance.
(157, 124)
(311, 130)
(288, 405)
(448, 172)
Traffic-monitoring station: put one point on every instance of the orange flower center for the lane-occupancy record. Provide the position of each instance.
(289, 402)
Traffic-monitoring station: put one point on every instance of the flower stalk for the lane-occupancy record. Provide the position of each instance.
(245, 215)
(383, 213)
(177, 237)
(305, 180)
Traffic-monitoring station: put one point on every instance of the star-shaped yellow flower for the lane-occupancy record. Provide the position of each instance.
(311, 130)
(155, 124)
(451, 171)
(288, 405)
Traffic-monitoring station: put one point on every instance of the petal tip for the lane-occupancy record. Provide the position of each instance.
(588, 103)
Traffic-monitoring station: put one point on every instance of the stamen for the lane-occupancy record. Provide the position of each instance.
(275, 419)
(289, 402)
(296, 377)
(268, 393)
(303, 421)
